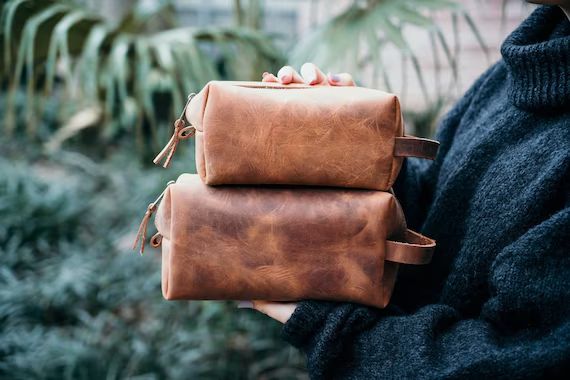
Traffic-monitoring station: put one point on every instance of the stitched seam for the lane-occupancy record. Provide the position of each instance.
(204, 155)
(401, 123)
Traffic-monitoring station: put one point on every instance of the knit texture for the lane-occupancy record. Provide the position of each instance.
(495, 301)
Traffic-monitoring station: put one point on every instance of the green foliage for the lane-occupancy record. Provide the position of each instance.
(127, 72)
(133, 77)
(425, 121)
(249, 14)
(356, 38)
(77, 303)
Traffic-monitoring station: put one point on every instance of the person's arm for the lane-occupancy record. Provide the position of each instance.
(519, 332)
(416, 183)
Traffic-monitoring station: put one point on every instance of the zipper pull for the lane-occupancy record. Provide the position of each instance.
(181, 132)
(151, 208)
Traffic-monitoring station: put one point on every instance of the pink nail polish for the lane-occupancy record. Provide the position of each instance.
(245, 305)
(334, 78)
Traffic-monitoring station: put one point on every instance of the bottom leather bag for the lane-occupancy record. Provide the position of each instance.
(282, 244)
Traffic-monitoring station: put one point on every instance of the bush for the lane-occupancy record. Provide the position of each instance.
(76, 303)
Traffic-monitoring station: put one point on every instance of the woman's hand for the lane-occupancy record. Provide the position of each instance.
(280, 311)
(312, 75)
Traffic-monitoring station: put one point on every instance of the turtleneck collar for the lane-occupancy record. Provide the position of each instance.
(537, 55)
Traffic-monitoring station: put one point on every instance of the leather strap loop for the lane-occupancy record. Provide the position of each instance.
(411, 146)
(417, 249)
(156, 240)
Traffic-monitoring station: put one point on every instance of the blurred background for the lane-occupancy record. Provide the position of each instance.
(89, 91)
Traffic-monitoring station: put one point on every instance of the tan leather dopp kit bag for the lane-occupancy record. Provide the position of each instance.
(282, 244)
(269, 133)
(257, 234)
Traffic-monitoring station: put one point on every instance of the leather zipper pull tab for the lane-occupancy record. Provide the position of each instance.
(181, 132)
(151, 208)
(141, 233)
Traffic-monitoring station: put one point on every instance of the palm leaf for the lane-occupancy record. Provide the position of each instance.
(26, 55)
(447, 51)
(116, 69)
(434, 5)
(8, 13)
(356, 29)
(406, 14)
(89, 62)
(58, 46)
(143, 86)
(476, 33)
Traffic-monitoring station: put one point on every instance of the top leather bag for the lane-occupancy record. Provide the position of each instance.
(295, 134)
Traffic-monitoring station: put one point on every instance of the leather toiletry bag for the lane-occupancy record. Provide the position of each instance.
(281, 243)
(295, 134)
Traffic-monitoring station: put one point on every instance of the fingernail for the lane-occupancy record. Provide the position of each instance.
(309, 73)
(312, 77)
(265, 73)
(285, 78)
(334, 78)
(245, 305)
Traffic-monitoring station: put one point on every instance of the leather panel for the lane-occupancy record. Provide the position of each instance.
(277, 243)
(296, 135)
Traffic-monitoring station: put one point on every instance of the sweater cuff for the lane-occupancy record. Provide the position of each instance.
(305, 322)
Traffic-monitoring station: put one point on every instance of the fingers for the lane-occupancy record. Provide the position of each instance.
(268, 77)
(313, 75)
(280, 311)
(310, 74)
(287, 75)
(341, 79)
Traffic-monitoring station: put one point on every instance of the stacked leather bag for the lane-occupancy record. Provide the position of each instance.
(292, 199)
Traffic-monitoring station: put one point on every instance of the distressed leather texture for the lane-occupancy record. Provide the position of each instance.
(282, 243)
(269, 133)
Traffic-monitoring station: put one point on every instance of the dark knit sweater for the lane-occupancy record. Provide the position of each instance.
(495, 301)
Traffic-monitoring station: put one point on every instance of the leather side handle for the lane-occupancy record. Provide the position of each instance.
(417, 249)
(411, 146)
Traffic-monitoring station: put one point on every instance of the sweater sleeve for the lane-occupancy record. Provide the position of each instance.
(520, 332)
(416, 182)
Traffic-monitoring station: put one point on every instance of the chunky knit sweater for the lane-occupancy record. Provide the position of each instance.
(495, 301)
